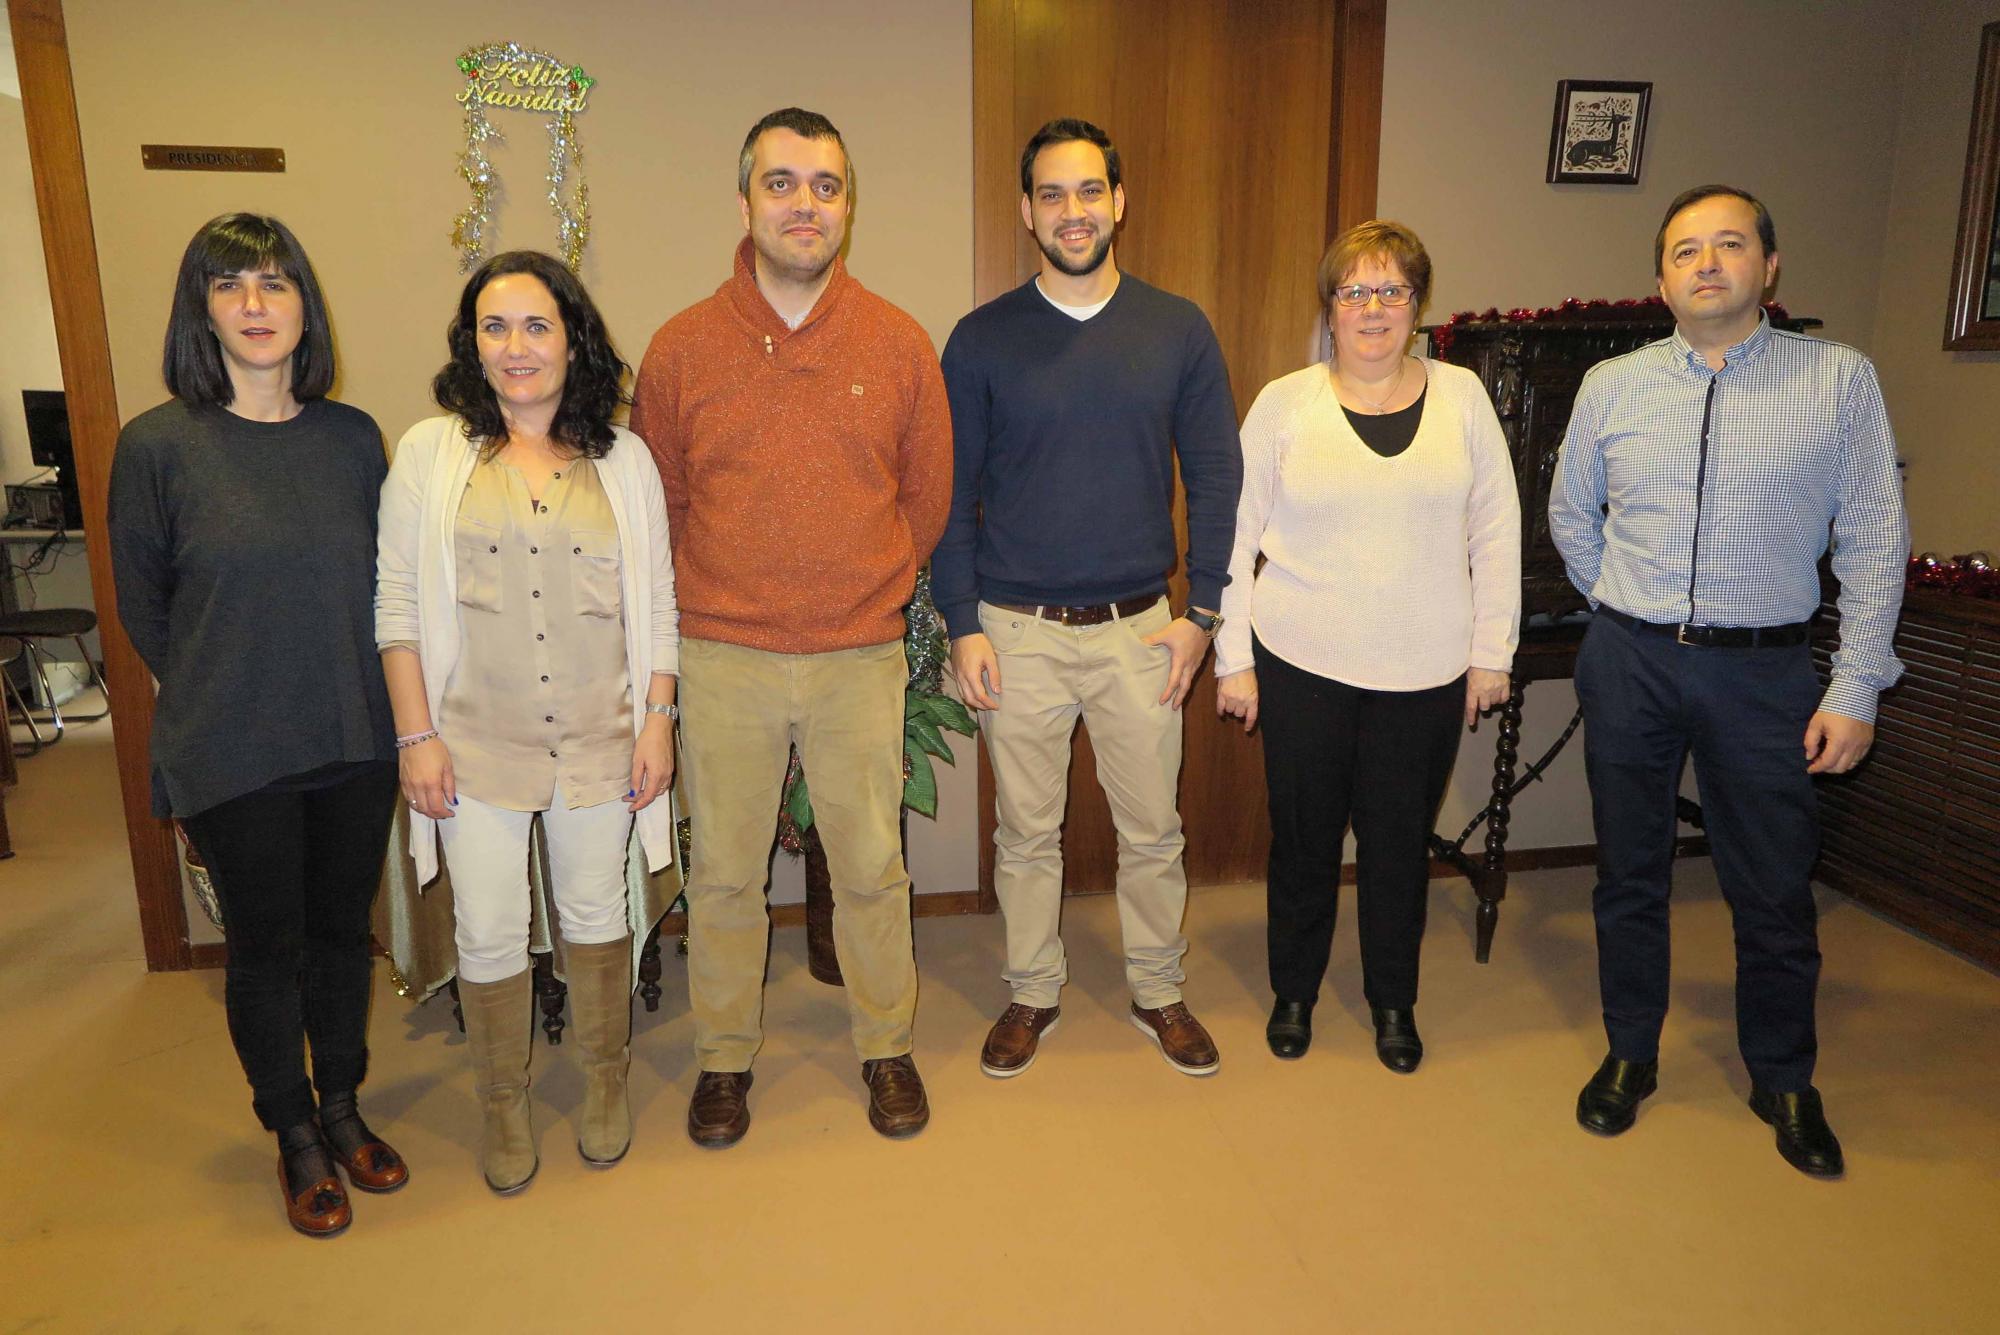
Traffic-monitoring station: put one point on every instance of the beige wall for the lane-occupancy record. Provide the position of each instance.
(1792, 99)
(360, 97)
(1945, 405)
(28, 347)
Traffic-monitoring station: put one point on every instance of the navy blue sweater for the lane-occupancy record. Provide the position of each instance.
(1063, 439)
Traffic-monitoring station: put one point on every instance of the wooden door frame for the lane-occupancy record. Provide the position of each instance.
(1355, 154)
(83, 343)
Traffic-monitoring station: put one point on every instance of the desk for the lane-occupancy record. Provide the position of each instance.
(63, 582)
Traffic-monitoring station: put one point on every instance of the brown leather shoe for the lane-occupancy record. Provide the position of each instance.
(1010, 1043)
(321, 1210)
(719, 1112)
(373, 1167)
(897, 1106)
(1183, 1042)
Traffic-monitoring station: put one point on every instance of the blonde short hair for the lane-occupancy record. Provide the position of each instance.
(1377, 237)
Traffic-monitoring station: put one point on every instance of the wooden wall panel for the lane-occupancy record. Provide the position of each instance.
(55, 152)
(1235, 137)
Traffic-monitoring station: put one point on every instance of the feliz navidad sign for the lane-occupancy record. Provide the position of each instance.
(513, 77)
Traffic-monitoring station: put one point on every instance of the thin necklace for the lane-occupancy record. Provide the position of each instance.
(1402, 364)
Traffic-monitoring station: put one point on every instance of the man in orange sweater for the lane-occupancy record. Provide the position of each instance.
(803, 436)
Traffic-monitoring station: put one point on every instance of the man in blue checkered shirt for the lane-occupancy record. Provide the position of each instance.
(1701, 479)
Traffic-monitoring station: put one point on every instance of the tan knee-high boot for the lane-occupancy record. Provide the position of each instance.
(600, 999)
(499, 1035)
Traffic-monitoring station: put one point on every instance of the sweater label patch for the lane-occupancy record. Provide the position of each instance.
(856, 389)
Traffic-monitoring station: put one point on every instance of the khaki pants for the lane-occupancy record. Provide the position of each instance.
(742, 711)
(1051, 674)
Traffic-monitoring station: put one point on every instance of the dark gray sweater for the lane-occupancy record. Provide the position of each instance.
(244, 556)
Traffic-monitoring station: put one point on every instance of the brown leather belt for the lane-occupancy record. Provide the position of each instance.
(1095, 615)
(1715, 637)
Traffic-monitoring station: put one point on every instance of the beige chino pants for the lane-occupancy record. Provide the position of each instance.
(741, 712)
(1050, 675)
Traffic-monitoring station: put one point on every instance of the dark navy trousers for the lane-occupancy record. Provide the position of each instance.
(1648, 704)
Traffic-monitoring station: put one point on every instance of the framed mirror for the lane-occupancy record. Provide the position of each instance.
(1972, 323)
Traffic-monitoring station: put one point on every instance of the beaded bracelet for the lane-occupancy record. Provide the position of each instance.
(414, 739)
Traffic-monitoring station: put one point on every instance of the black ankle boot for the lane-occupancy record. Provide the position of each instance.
(1396, 1039)
(1290, 1031)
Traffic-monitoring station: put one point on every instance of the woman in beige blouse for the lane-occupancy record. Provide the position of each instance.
(525, 614)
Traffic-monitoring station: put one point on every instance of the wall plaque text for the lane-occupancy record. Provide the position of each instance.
(210, 158)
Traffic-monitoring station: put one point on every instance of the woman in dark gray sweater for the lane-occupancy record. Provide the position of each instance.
(242, 523)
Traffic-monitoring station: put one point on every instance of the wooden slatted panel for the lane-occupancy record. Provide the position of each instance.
(1915, 831)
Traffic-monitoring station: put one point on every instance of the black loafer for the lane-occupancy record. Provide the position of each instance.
(1609, 1104)
(1396, 1039)
(1804, 1139)
(1290, 1031)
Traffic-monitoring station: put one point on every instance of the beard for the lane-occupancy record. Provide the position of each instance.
(1077, 268)
(788, 260)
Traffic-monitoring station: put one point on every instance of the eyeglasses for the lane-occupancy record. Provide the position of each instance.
(1389, 294)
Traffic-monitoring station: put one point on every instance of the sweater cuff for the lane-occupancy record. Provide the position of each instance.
(961, 619)
(1206, 592)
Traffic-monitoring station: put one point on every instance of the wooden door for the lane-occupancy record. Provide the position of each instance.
(1249, 132)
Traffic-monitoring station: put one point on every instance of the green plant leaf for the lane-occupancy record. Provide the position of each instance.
(920, 789)
(798, 804)
(925, 734)
(951, 714)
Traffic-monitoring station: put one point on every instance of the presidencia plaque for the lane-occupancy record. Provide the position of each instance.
(210, 158)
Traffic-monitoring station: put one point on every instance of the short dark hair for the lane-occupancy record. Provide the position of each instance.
(592, 389)
(192, 362)
(1767, 231)
(805, 124)
(1062, 130)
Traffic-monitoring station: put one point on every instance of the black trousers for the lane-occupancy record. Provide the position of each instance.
(296, 873)
(1648, 703)
(1334, 752)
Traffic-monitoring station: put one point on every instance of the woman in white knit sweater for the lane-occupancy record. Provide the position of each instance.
(1378, 489)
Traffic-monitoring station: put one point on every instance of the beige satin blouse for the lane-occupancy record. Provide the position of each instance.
(541, 694)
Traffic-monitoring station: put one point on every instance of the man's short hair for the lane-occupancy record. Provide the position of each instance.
(1767, 231)
(1377, 237)
(805, 124)
(1061, 131)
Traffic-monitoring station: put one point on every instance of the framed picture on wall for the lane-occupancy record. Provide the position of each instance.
(1599, 132)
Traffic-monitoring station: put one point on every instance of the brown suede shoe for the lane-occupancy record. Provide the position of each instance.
(897, 1106)
(1183, 1042)
(1010, 1043)
(321, 1210)
(719, 1112)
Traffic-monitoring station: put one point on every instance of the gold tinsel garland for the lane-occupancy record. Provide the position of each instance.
(507, 74)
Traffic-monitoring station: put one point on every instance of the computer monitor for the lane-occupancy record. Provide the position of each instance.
(49, 444)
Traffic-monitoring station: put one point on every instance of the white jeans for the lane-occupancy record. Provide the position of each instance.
(486, 848)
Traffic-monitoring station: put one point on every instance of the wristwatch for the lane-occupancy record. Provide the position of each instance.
(1206, 622)
(671, 711)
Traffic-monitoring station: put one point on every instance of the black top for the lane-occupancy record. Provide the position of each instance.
(1389, 434)
(244, 557)
(1064, 435)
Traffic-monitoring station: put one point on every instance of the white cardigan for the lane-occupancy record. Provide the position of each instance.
(1387, 574)
(416, 583)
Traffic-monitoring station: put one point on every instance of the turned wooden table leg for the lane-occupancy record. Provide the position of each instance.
(649, 969)
(1491, 883)
(553, 993)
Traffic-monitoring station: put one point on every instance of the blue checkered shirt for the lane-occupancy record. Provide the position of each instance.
(1798, 443)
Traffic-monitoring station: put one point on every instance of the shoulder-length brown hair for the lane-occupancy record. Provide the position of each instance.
(192, 363)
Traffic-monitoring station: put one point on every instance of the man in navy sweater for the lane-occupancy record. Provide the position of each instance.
(1070, 397)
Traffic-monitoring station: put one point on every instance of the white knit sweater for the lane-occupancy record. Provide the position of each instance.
(1386, 574)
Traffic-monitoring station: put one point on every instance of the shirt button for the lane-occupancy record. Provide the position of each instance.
(534, 551)
(544, 678)
(548, 718)
(492, 549)
(538, 593)
(577, 550)
(544, 509)
(558, 474)
(552, 755)
(540, 636)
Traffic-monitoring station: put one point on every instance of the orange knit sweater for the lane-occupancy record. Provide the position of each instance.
(807, 471)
